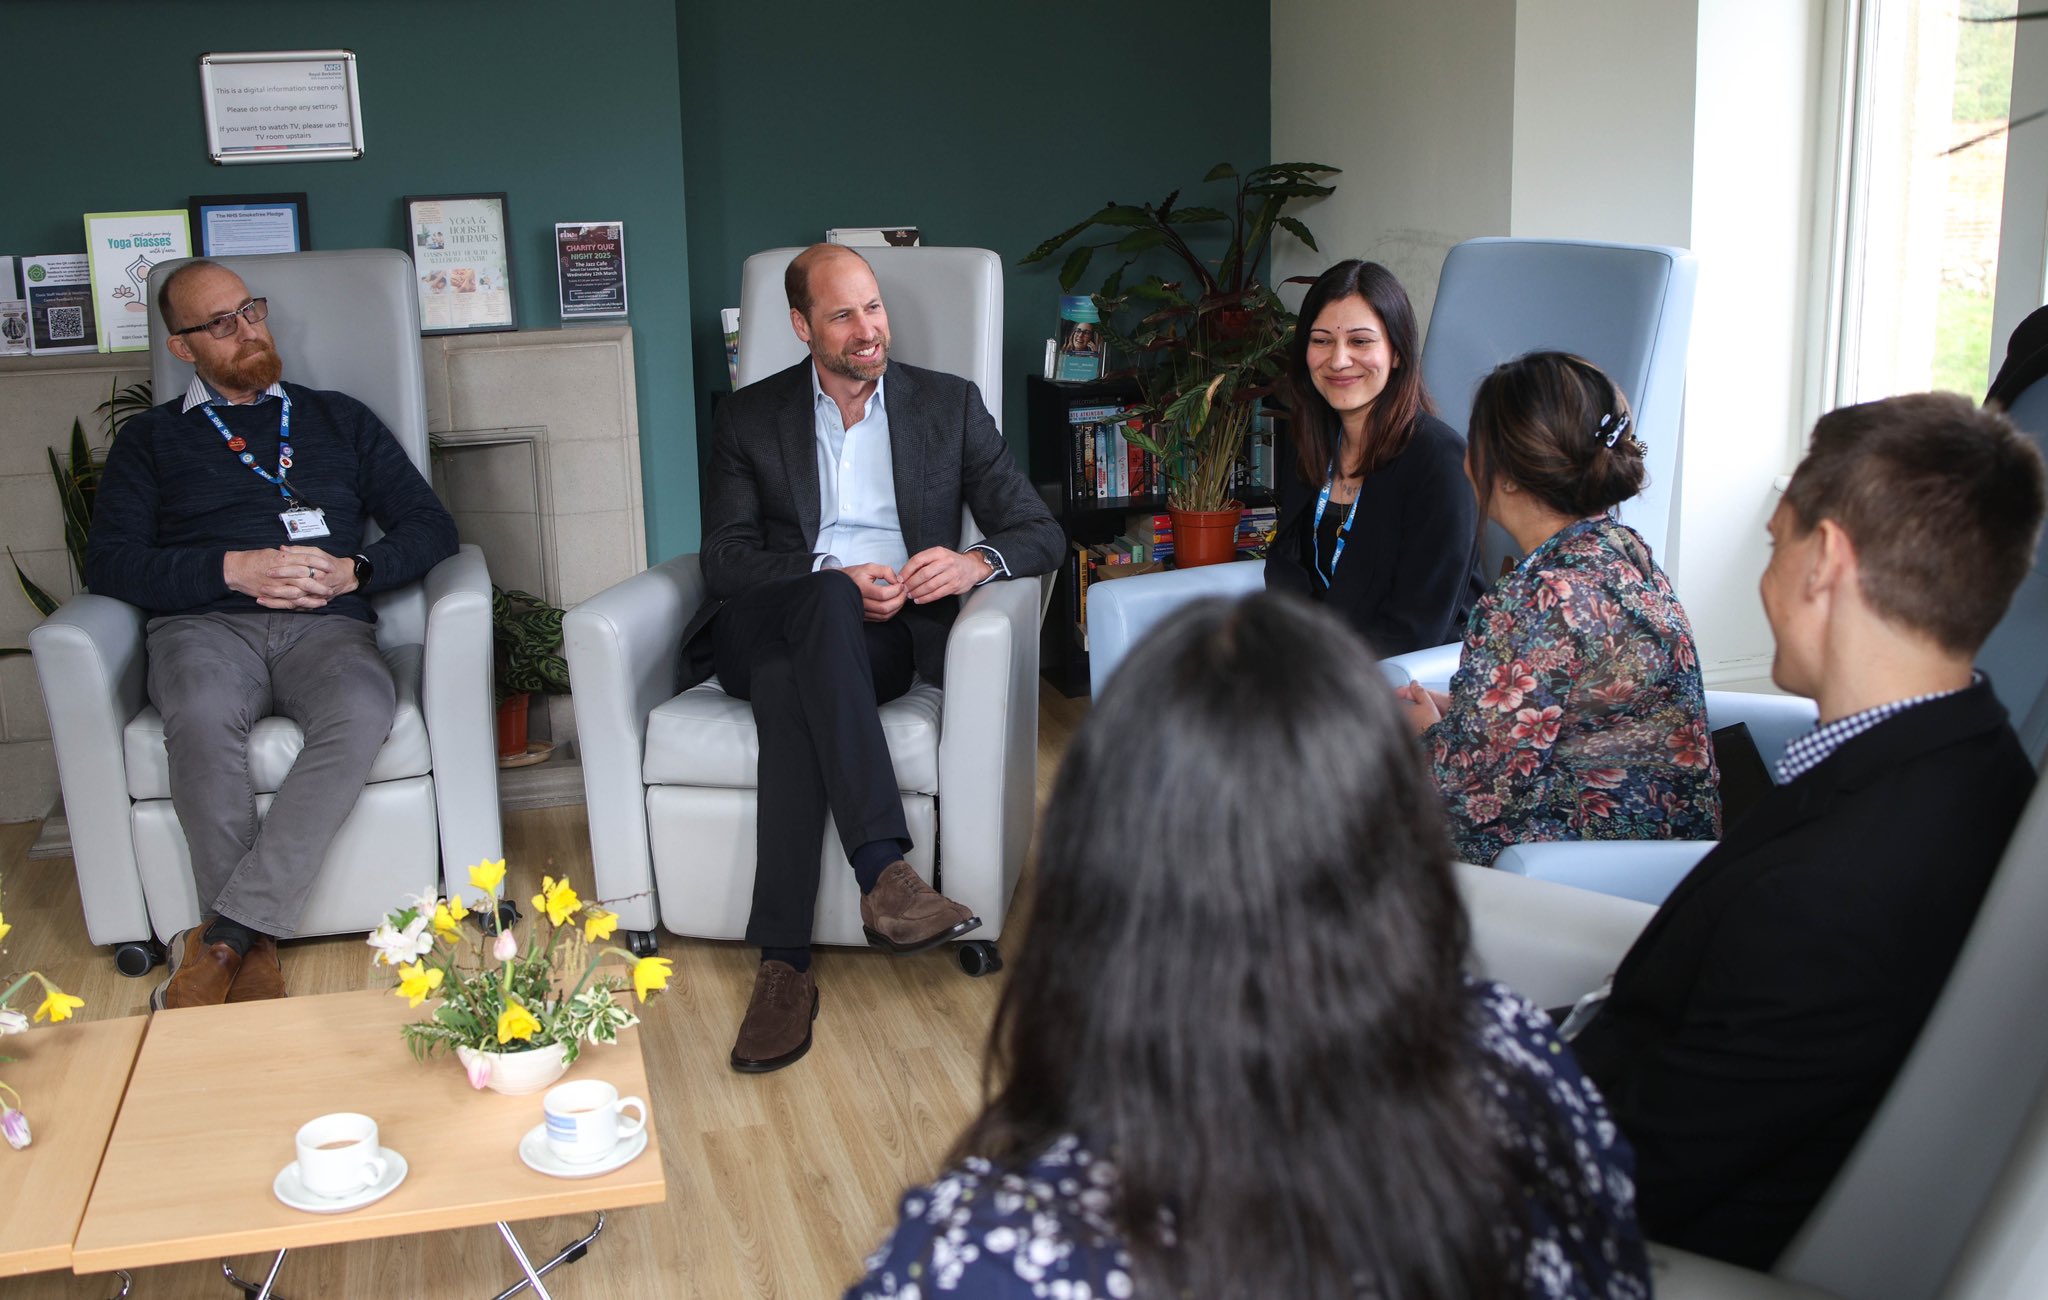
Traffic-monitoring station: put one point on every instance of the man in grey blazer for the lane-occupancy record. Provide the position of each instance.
(831, 525)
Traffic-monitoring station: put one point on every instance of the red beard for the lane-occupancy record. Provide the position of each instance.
(254, 369)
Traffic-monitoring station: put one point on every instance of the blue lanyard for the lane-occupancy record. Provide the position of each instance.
(1343, 530)
(284, 447)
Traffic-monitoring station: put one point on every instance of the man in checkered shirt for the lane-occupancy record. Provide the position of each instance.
(1757, 1023)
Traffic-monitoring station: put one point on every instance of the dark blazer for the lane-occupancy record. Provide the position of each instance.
(1759, 1020)
(1410, 570)
(762, 506)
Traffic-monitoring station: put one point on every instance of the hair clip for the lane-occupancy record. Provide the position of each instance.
(1613, 435)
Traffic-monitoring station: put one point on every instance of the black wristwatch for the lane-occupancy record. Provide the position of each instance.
(363, 571)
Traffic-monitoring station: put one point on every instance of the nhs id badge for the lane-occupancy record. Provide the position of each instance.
(303, 523)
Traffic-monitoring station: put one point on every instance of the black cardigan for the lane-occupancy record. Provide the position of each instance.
(1410, 570)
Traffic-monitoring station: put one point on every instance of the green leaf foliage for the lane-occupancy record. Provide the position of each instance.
(45, 603)
(1221, 172)
(1075, 267)
(526, 645)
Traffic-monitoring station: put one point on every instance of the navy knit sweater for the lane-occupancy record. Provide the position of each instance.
(174, 500)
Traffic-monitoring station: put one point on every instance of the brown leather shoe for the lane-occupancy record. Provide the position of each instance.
(201, 972)
(777, 1030)
(261, 975)
(903, 914)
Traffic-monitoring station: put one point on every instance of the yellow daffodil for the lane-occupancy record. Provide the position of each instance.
(448, 914)
(516, 1022)
(557, 899)
(487, 874)
(58, 1005)
(599, 924)
(417, 981)
(4, 927)
(649, 974)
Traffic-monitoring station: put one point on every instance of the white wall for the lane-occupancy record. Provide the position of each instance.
(1758, 166)
(1603, 120)
(1415, 103)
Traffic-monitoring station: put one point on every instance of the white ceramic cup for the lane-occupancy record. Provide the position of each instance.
(339, 1154)
(583, 1120)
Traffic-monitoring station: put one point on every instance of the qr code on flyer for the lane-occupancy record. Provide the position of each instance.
(67, 323)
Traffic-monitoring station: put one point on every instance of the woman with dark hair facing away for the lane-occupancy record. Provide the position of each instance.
(1577, 711)
(1376, 517)
(1236, 1057)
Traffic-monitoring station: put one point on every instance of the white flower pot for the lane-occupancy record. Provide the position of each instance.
(514, 1073)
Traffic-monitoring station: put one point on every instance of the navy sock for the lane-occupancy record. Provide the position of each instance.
(870, 860)
(232, 933)
(800, 958)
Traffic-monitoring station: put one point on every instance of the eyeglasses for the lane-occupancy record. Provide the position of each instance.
(224, 325)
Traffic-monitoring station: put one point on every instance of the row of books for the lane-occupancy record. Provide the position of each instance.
(1106, 465)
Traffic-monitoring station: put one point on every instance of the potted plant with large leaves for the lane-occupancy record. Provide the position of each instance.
(1210, 343)
(526, 657)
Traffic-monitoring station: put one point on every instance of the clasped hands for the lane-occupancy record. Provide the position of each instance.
(289, 577)
(927, 576)
(1421, 707)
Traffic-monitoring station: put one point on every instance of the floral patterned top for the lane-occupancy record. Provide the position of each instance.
(1577, 711)
(1045, 1230)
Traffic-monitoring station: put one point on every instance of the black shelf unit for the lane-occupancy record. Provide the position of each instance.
(1087, 520)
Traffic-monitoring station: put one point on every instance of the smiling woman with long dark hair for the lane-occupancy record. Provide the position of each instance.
(1236, 1055)
(1376, 518)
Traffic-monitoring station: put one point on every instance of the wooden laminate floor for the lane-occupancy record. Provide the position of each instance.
(778, 1184)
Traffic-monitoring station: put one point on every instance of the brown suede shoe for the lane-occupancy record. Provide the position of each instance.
(903, 914)
(201, 972)
(777, 1030)
(261, 975)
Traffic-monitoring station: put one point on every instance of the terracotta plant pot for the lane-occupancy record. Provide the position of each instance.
(512, 726)
(1205, 536)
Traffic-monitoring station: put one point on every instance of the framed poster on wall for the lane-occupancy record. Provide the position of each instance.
(462, 256)
(226, 225)
(281, 106)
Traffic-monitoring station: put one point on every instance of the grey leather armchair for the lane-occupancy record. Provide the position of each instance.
(349, 321)
(669, 778)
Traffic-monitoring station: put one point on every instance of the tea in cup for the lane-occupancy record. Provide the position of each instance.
(583, 1120)
(339, 1154)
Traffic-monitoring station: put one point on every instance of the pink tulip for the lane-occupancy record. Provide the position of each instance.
(14, 1126)
(479, 1068)
(506, 947)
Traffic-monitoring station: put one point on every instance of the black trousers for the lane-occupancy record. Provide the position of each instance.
(815, 672)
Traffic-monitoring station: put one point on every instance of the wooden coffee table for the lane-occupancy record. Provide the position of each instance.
(71, 1077)
(218, 1092)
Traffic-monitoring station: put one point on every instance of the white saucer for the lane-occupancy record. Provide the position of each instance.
(292, 1192)
(539, 1157)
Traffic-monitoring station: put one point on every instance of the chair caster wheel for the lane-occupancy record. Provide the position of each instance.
(641, 943)
(137, 959)
(508, 915)
(979, 957)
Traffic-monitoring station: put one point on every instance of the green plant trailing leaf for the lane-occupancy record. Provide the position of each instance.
(1221, 172)
(1075, 266)
(45, 603)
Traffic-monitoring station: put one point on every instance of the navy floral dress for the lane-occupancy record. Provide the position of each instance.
(1577, 711)
(1046, 1230)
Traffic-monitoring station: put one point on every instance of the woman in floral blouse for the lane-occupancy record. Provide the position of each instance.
(1236, 1056)
(1577, 711)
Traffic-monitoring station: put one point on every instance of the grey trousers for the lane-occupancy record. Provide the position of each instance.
(213, 677)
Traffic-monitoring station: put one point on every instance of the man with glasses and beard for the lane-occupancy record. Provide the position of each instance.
(828, 588)
(235, 515)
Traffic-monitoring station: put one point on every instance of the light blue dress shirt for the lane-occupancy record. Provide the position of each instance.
(857, 519)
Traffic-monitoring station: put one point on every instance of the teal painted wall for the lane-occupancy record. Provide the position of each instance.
(573, 112)
(991, 125)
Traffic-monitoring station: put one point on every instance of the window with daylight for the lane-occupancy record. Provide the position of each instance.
(1929, 93)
